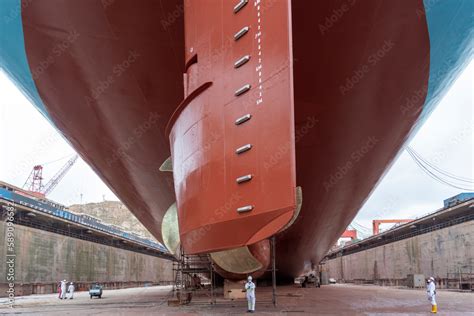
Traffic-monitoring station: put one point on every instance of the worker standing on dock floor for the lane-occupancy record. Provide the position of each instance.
(431, 290)
(70, 290)
(63, 289)
(250, 289)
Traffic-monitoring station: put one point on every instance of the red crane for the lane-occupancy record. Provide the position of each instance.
(376, 223)
(34, 183)
(350, 233)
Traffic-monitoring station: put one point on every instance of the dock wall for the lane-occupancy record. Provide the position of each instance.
(43, 258)
(447, 254)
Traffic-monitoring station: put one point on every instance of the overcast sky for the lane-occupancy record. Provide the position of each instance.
(445, 140)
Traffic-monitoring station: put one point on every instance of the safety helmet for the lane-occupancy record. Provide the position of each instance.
(431, 279)
(249, 278)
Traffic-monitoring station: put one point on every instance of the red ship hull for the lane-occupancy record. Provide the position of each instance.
(327, 84)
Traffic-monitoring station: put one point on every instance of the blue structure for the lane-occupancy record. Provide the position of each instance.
(458, 199)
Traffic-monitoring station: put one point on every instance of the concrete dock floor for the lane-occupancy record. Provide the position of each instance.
(328, 300)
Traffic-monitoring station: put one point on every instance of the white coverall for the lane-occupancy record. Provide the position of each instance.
(63, 290)
(70, 291)
(250, 288)
(431, 291)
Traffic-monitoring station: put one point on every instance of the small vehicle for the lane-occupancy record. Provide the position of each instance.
(332, 281)
(307, 280)
(95, 290)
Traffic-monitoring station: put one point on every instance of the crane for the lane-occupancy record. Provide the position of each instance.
(376, 223)
(350, 233)
(34, 183)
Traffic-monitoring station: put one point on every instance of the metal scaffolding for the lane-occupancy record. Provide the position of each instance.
(187, 269)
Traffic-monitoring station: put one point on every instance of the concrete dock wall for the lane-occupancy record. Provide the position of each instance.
(43, 258)
(448, 250)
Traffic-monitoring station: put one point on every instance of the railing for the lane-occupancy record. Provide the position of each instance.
(52, 209)
(387, 238)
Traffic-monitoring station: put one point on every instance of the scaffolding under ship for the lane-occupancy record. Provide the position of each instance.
(222, 123)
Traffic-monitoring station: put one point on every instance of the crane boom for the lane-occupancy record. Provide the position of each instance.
(58, 176)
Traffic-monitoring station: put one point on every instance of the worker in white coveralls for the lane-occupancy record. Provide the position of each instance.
(250, 289)
(63, 289)
(70, 290)
(431, 292)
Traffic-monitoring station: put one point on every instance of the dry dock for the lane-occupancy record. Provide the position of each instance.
(328, 300)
